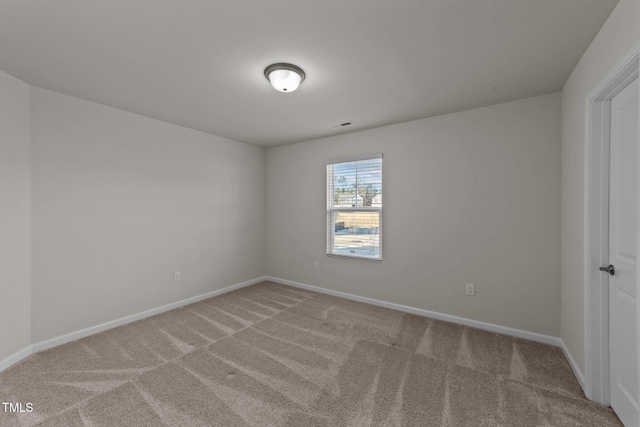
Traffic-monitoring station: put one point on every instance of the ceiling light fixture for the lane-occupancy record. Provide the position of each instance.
(284, 77)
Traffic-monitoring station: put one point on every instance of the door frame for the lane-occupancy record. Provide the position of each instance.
(597, 224)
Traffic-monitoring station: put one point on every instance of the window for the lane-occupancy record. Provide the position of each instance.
(354, 208)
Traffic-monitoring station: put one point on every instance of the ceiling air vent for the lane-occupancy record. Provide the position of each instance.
(341, 125)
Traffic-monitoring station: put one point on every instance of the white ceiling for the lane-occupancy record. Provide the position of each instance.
(199, 63)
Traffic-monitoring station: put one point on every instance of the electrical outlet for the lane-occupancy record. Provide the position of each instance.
(177, 276)
(316, 265)
(471, 289)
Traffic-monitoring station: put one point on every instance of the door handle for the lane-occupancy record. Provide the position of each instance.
(610, 269)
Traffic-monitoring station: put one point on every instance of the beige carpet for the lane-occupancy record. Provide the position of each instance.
(272, 355)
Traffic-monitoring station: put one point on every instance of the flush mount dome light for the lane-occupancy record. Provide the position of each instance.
(284, 77)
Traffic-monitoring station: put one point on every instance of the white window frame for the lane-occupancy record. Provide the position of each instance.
(331, 210)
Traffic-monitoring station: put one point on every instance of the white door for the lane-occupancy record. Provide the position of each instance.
(623, 222)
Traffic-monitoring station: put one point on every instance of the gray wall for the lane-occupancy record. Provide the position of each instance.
(616, 37)
(15, 216)
(122, 201)
(468, 197)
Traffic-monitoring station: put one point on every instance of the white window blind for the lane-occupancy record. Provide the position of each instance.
(354, 207)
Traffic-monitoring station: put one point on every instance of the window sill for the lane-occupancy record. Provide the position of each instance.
(359, 258)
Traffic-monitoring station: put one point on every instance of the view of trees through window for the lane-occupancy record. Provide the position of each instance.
(354, 208)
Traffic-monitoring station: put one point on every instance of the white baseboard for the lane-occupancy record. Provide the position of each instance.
(532, 336)
(574, 366)
(505, 330)
(63, 339)
(15, 358)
